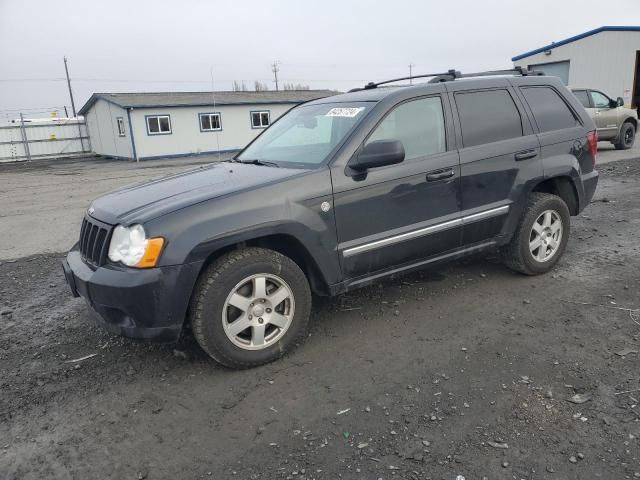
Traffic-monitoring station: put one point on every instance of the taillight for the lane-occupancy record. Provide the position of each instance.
(592, 141)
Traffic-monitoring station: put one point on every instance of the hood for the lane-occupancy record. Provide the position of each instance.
(143, 202)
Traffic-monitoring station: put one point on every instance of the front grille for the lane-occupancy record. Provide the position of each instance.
(94, 241)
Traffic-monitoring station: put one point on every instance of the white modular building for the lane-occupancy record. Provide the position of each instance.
(606, 58)
(142, 126)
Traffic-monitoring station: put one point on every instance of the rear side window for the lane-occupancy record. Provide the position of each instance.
(487, 116)
(418, 124)
(583, 97)
(549, 109)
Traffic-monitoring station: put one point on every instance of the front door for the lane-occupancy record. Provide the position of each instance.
(604, 116)
(395, 216)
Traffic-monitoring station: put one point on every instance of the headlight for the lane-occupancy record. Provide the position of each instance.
(131, 246)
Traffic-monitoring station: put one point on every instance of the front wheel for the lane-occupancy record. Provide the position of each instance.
(250, 307)
(626, 138)
(541, 236)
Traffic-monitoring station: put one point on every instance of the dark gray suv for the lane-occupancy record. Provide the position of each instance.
(337, 194)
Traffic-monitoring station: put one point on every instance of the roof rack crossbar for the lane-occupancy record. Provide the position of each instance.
(452, 74)
(523, 71)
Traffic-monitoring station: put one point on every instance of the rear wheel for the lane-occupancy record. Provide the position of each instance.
(541, 236)
(626, 138)
(250, 307)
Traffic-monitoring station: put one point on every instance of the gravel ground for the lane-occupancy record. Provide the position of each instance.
(36, 195)
(468, 370)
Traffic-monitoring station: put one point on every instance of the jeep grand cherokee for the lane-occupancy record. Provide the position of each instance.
(336, 194)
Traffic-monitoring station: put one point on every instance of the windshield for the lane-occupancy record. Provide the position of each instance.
(306, 135)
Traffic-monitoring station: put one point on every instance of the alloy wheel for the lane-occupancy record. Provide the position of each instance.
(258, 311)
(546, 236)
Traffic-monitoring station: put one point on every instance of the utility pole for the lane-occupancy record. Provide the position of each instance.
(275, 69)
(73, 105)
(411, 65)
(25, 140)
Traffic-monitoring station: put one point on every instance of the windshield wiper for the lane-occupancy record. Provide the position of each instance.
(265, 163)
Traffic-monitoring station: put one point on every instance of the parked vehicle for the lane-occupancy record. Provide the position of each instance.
(337, 194)
(614, 121)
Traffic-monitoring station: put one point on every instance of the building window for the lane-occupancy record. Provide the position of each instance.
(158, 124)
(120, 122)
(260, 119)
(210, 122)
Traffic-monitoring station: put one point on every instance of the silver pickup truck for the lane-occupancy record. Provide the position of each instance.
(614, 122)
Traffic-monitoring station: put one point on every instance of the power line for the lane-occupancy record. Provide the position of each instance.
(33, 109)
(32, 79)
(142, 80)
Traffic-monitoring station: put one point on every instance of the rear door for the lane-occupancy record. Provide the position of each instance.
(499, 152)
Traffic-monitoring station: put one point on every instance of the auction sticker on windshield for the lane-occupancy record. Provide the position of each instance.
(344, 112)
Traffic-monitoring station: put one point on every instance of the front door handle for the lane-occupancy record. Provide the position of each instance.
(440, 175)
(525, 155)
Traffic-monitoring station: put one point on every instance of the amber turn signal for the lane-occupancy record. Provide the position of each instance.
(152, 253)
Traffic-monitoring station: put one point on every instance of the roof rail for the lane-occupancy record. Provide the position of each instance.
(452, 74)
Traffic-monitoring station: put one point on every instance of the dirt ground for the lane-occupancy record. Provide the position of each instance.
(34, 196)
(466, 371)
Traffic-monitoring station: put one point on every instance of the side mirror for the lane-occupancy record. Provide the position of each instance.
(620, 102)
(378, 154)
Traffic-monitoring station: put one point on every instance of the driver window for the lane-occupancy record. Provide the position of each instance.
(599, 100)
(418, 124)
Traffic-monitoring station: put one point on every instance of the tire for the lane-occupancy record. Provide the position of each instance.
(519, 255)
(626, 138)
(283, 323)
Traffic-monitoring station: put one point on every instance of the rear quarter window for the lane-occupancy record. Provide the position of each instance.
(549, 109)
(487, 116)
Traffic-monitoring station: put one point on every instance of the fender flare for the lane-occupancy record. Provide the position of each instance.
(283, 237)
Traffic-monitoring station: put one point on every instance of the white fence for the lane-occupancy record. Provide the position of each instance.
(21, 142)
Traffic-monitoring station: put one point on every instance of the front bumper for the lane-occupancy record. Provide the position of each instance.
(146, 303)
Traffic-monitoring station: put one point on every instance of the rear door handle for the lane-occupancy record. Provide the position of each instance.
(525, 155)
(440, 175)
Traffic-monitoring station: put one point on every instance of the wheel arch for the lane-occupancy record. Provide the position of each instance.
(564, 187)
(284, 243)
(632, 121)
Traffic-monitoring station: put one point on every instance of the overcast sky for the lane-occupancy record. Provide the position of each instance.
(140, 45)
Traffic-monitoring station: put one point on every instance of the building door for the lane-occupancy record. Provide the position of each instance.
(554, 69)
